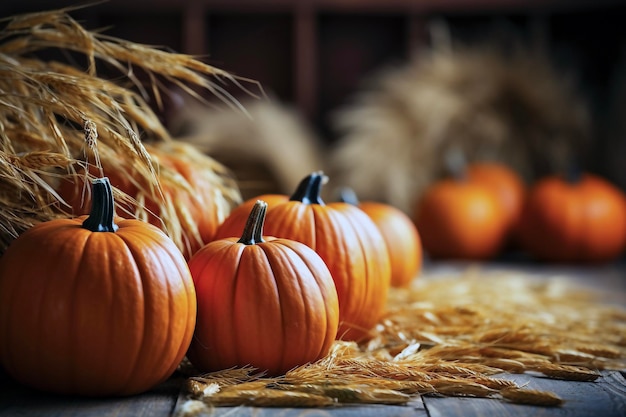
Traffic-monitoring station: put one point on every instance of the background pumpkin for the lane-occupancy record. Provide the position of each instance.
(106, 308)
(271, 304)
(508, 186)
(400, 234)
(582, 220)
(460, 219)
(190, 196)
(236, 219)
(350, 244)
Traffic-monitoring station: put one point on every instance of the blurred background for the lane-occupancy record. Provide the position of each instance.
(313, 58)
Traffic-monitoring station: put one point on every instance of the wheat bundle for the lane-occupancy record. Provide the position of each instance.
(514, 108)
(451, 335)
(56, 117)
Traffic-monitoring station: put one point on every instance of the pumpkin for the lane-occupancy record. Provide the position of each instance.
(94, 305)
(460, 219)
(580, 220)
(508, 187)
(191, 194)
(264, 302)
(399, 233)
(350, 244)
(236, 219)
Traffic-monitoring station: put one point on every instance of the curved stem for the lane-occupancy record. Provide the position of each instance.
(102, 214)
(309, 189)
(253, 231)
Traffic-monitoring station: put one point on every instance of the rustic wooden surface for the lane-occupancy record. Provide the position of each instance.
(606, 397)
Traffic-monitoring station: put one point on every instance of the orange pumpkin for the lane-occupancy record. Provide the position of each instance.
(574, 221)
(92, 306)
(232, 225)
(508, 186)
(190, 194)
(460, 219)
(350, 244)
(269, 303)
(400, 235)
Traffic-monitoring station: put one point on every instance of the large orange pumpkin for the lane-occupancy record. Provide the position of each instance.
(461, 219)
(400, 234)
(350, 244)
(574, 221)
(92, 306)
(190, 195)
(265, 302)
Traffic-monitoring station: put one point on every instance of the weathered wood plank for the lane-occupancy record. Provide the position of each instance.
(413, 409)
(17, 400)
(605, 397)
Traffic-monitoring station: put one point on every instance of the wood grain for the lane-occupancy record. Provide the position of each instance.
(17, 400)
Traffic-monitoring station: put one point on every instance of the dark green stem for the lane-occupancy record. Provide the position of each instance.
(309, 189)
(253, 231)
(102, 214)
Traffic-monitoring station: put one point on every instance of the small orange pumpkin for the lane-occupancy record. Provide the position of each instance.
(583, 220)
(94, 307)
(265, 302)
(400, 234)
(350, 244)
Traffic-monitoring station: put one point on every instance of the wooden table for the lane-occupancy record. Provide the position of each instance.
(606, 397)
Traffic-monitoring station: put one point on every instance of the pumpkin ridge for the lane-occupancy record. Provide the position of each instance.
(233, 355)
(248, 268)
(377, 285)
(277, 263)
(45, 292)
(144, 347)
(123, 234)
(344, 287)
(73, 332)
(140, 248)
(321, 287)
(366, 299)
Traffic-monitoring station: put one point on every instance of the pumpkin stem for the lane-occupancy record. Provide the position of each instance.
(102, 214)
(309, 189)
(253, 231)
(347, 195)
(456, 163)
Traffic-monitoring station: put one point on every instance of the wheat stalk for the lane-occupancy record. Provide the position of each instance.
(56, 118)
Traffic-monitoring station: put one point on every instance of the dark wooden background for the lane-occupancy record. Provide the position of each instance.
(315, 53)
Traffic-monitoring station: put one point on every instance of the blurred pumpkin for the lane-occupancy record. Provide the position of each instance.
(190, 196)
(265, 302)
(350, 244)
(579, 220)
(508, 186)
(94, 307)
(461, 219)
(399, 233)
